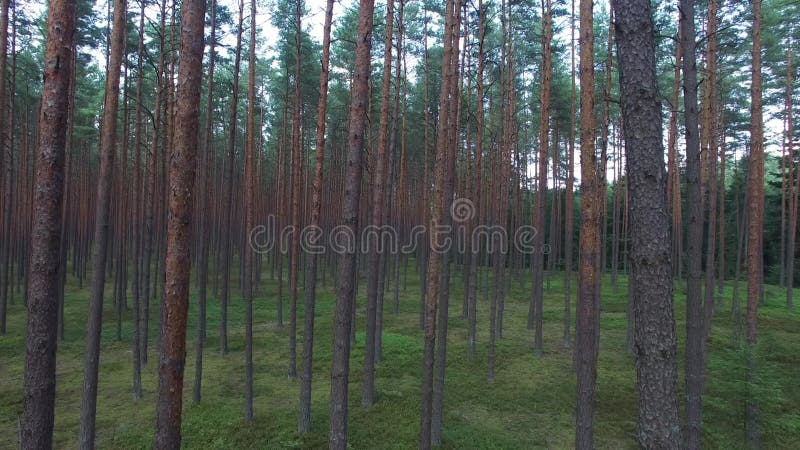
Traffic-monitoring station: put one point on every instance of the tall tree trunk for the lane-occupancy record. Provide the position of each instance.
(437, 218)
(249, 200)
(304, 420)
(755, 209)
(137, 221)
(722, 164)
(149, 233)
(39, 383)
(651, 277)
(378, 203)
(588, 316)
(673, 173)
(793, 198)
(569, 205)
(297, 175)
(107, 141)
(710, 135)
(207, 205)
(68, 181)
(537, 301)
(228, 213)
(350, 213)
(694, 241)
(478, 184)
(440, 358)
(605, 117)
(6, 156)
(179, 227)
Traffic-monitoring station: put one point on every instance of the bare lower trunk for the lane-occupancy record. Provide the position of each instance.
(374, 257)
(651, 278)
(249, 206)
(437, 218)
(36, 425)
(179, 228)
(101, 231)
(587, 327)
(347, 265)
(304, 420)
(537, 300)
(205, 220)
(694, 241)
(755, 209)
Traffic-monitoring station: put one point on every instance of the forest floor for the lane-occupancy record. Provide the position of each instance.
(529, 405)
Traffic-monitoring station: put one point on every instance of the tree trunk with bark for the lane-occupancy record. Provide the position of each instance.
(794, 198)
(107, 142)
(304, 420)
(694, 242)
(350, 213)
(673, 173)
(179, 228)
(377, 220)
(249, 206)
(755, 226)
(569, 203)
(472, 301)
(207, 205)
(588, 316)
(39, 383)
(228, 212)
(137, 220)
(437, 218)
(651, 277)
(537, 300)
(5, 221)
(297, 193)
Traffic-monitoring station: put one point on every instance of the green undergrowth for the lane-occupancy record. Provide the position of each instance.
(530, 404)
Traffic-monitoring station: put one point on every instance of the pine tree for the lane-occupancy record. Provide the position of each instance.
(588, 315)
(39, 383)
(108, 138)
(651, 277)
(350, 213)
(179, 227)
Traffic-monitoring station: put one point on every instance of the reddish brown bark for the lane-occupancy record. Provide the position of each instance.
(673, 174)
(588, 315)
(377, 215)
(755, 211)
(249, 206)
(297, 194)
(36, 430)
(538, 220)
(228, 213)
(179, 228)
(569, 206)
(304, 420)
(207, 203)
(137, 216)
(6, 157)
(477, 189)
(350, 214)
(794, 199)
(437, 218)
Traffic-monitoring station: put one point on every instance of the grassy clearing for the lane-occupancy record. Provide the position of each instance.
(530, 404)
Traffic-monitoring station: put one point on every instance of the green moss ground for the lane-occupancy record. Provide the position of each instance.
(530, 404)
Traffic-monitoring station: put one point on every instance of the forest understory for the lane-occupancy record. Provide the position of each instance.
(530, 404)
